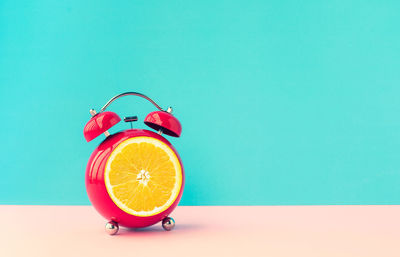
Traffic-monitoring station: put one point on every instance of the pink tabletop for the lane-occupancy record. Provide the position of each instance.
(206, 231)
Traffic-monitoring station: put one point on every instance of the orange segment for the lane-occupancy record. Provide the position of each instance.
(143, 176)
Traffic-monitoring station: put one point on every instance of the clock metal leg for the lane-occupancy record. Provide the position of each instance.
(112, 227)
(168, 223)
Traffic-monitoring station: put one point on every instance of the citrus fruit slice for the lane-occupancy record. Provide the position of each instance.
(143, 176)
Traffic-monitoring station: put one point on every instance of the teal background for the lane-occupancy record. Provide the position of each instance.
(282, 102)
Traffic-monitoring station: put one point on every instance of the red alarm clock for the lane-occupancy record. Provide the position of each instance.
(135, 177)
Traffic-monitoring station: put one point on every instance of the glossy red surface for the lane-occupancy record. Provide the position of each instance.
(96, 188)
(169, 124)
(99, 123)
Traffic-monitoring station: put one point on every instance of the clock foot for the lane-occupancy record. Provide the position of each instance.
(168, 223)
(112, 228)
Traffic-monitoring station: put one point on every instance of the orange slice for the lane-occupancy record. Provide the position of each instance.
(143, 176)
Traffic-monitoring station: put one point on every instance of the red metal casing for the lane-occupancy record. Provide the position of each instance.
(99, 124)
(165, 121)
(96, 188)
